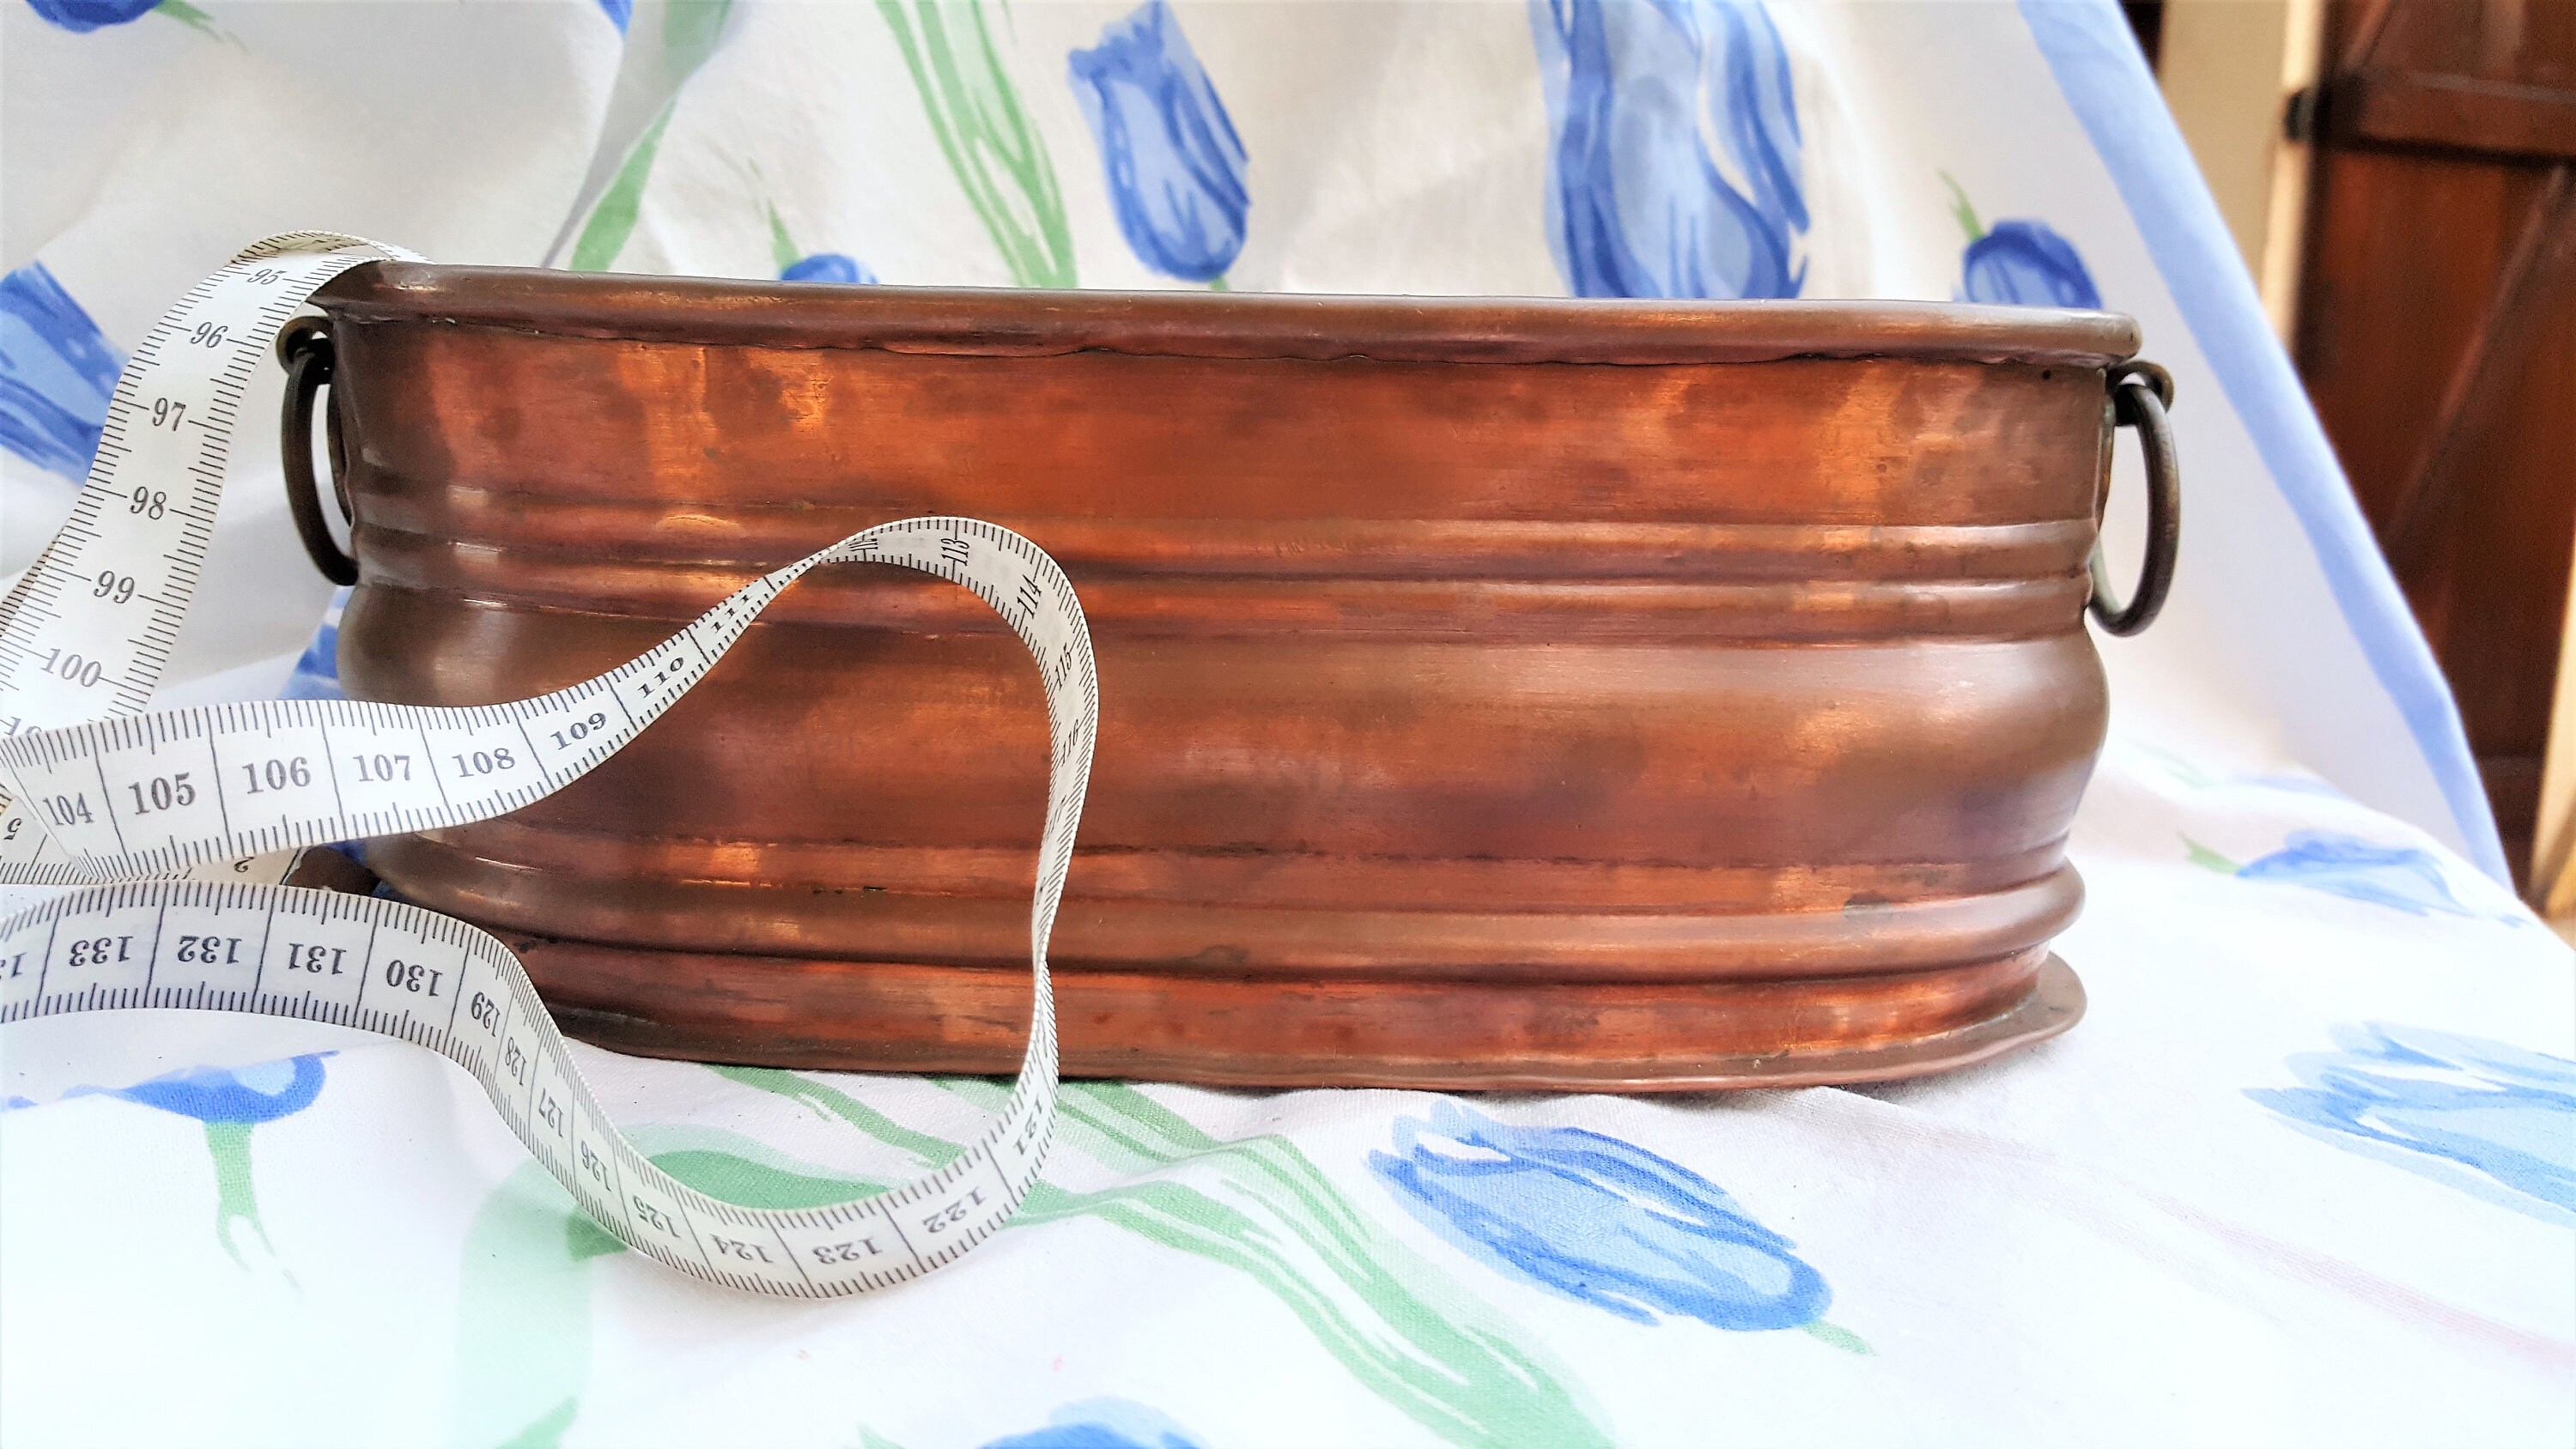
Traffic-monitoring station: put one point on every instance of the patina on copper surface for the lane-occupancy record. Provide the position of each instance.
(1496, 693)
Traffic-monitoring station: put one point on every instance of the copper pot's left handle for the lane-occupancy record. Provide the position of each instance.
(305, 348)
(2140, 394)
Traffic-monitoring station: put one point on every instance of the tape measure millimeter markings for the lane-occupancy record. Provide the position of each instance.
(86, 630)
(127, 806)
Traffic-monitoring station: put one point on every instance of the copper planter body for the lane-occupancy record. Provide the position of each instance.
(1531, 694)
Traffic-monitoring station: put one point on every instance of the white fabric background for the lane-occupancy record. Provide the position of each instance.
(2104, 1240)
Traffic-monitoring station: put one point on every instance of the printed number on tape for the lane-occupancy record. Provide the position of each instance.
(173, 828)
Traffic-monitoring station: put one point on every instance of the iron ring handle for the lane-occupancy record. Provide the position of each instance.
(2140, 393)
(305, 348)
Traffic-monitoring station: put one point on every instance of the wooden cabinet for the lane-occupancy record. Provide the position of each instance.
(2437, 334)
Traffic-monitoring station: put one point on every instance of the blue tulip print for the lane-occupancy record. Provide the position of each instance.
(2493, 1120)
(1101, 1424)
(1600, 1221)
(316, 674)
(619, 12)
(2399, 877)
(1637, 203)
(82, 16)
(2019, 263)
(57, 372)
(826, 267)
(1175, 165)
(230, 1103)
(2024, 264)
(797, 265)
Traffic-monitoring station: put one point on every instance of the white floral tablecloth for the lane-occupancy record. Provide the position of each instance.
(2305, 1174)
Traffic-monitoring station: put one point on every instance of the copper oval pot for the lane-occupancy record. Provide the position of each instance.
(1497, 694)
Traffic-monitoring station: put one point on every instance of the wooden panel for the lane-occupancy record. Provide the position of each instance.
(2507, 42)
(2497, 77)
(2438, 338)
(2406, 250)
(2484, 554)
(2454, 112)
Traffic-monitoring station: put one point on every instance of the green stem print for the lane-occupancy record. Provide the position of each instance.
(1836, 1336)
(523, 1315)
(782, 247)
(523, 1302)
(1398, 1324)
(2202, 855)
(690, 30)
(1436, 1353)
(236, 1200)
(1960, 208)
(2182, 768)
(231, 1103)
(998, 158)
(196, 19)
(613, 220)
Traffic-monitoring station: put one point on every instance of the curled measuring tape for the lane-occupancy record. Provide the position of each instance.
(175, 825)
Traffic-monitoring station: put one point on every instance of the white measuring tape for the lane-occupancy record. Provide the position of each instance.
(197, 811)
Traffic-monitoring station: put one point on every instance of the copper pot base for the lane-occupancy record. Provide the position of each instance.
(1318, 1032)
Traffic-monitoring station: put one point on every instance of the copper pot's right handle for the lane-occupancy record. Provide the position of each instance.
(2140, 393)
(305, 348)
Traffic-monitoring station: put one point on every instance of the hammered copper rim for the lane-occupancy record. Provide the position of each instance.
(1010, 322)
